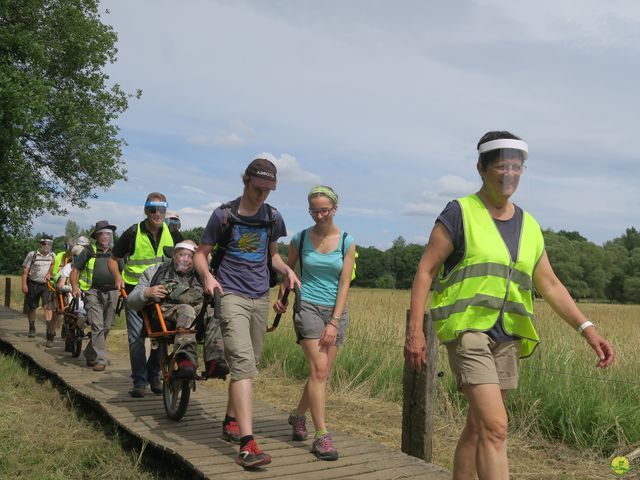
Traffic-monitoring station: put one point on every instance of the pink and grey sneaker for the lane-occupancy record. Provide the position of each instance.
(323, 448)
(299, 424)
(251, 456)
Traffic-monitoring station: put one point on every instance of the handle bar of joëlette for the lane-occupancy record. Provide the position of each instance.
(213, 301)
(285, 297)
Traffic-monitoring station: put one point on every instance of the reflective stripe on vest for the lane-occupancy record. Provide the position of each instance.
(486, 281)
(85, 276)
(144, 256)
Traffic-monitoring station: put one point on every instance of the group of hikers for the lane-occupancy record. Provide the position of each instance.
(484, 257)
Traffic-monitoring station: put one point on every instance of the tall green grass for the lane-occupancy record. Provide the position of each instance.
(561, 394)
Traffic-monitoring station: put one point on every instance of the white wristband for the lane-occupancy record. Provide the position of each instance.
(584, 326)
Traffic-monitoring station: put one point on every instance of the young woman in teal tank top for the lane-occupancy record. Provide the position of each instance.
(321, 323)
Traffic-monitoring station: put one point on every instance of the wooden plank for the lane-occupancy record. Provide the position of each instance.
(196, 439)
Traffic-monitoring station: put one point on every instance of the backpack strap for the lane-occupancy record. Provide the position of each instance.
(231, 217)
(300, 244)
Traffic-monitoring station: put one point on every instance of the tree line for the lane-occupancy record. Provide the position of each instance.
(610, 272)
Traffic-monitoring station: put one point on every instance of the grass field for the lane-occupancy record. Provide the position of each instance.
(561, 394)
(43, 438)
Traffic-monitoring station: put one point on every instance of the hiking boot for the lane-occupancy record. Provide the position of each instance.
(91, 363)
(99, 367)
(215, 369)
(32, 330)
(186, 370)
(231, 432)
(156, 385)
(137, 392)
(49, 342)
(251, 456)
(322, 448)
(299, 424)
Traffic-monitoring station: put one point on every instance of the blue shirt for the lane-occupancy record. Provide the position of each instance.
(320, 271)
(243, 269)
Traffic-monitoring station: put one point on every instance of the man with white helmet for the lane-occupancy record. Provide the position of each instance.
(177, 287)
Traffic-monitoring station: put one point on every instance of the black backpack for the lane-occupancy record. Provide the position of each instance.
(232, 218)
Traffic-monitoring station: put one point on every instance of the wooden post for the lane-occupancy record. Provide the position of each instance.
(419, 397)
(7, 291)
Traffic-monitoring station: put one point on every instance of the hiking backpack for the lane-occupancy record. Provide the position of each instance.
(232, 218)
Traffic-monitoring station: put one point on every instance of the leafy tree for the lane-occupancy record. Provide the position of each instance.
(386, 281)
(370, 266)
(194, 234)
(632, 289)
(58, 141)
(71, 229)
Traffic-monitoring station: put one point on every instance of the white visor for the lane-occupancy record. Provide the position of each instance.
(504, 143)
(186, 246)
(104, 230)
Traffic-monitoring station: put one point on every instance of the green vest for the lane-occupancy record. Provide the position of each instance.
(56, 268)
(144, 256)
(486, 281)
(85, 276)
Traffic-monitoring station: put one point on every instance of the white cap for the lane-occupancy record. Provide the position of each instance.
(186, 245)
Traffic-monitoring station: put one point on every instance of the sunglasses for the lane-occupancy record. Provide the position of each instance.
(156, 209)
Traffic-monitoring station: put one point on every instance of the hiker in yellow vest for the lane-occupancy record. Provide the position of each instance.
(141, 246)
(62, 259)
(484, 257)
(91, 274)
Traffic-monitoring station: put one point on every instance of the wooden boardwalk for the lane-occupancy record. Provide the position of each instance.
(195, 440)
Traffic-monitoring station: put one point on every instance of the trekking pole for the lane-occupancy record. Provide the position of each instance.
(296, 306)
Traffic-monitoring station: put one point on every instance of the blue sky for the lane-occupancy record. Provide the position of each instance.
(384, 101)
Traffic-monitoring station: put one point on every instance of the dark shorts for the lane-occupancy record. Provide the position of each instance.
(312, 319)
(36, 292)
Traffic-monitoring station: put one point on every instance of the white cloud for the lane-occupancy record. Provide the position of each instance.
(435, 198)
(289, 170)
(220, 139)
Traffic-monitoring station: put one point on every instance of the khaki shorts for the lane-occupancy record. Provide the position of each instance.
(244, 323)
(312, 320)
(475, 359)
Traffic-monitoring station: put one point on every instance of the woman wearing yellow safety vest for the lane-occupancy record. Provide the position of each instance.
(484, 256)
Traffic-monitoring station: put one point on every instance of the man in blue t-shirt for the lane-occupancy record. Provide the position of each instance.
(245, 232)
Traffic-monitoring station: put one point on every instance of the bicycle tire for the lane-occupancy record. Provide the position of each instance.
(175, 393)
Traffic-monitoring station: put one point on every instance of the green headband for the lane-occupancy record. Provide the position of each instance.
(324, 190)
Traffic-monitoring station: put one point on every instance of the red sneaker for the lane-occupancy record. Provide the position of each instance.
(231, 432)
(251, 456)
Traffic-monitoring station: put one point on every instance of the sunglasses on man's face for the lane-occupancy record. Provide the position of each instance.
(156, 209)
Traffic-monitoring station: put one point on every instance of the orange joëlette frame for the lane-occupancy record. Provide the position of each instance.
(163, 325)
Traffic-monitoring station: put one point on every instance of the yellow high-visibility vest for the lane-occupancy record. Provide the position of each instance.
(487, 282)
(144, 256)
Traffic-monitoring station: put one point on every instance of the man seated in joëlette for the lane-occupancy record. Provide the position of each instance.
(175, 285)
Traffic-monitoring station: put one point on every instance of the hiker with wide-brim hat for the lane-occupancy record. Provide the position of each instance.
(484, 258)
(91, 275)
